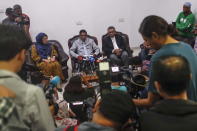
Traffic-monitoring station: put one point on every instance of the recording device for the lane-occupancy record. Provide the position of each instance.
(20, 20)
(104, 78)
(87, 64)
(104, 73)
(51, 92)
(134, 84)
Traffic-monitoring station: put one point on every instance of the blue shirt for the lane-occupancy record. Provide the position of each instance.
(184, 50)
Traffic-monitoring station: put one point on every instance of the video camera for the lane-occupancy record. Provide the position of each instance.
(20, 19)
(124, 75)
(51, 92)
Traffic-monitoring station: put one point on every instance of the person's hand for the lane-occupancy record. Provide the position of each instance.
(115, 51)
(151, 51)
(80, 58)
(18, 19)
(53, 59)
(46, 60)
(118, 52)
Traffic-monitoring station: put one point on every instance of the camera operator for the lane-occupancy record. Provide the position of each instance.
(22, 19)
(10, 20)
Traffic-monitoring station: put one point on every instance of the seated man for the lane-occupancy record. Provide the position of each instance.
(10, 19)
(175, 113)
(185, 24)
(31, 106)
(83, 46)
(114, 47)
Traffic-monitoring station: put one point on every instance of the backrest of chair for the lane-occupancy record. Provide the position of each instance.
(71, 40)
(126, 41)
(56, 43)
(60, 50)
(28, 60)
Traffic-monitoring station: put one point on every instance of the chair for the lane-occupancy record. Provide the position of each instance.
(63, 57)
(70, 43)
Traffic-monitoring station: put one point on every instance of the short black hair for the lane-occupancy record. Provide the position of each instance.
(17, 7)
(111, 27)
(9, 11)
(12, 40)
(82, 31)
(173, 73)
(117, 106)
(155, 24)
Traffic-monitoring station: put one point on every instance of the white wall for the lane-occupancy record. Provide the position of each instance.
(58, 18)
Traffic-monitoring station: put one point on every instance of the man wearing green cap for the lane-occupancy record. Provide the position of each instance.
(185, 24)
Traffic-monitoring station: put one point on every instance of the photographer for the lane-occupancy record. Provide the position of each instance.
(10, 20)
(22, 19)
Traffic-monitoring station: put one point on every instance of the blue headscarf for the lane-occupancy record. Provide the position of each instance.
(44, 50)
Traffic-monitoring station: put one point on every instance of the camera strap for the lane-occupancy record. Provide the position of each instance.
(5, 77)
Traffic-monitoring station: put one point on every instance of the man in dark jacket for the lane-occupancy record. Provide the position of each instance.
(114, 47)
(175, 113)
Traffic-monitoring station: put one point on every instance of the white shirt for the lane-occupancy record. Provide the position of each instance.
(80, 48)
(114, 43)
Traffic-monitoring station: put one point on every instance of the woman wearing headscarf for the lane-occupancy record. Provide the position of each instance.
(45, 57)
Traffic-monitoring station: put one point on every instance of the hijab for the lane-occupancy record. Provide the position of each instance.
(44, 50)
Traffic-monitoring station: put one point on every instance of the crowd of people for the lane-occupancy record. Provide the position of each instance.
(167, 59)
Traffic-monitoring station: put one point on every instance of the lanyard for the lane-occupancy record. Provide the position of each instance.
(5, 77)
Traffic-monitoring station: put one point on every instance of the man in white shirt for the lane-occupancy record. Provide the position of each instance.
(84, 46)
(32, 112)
(114, 47)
